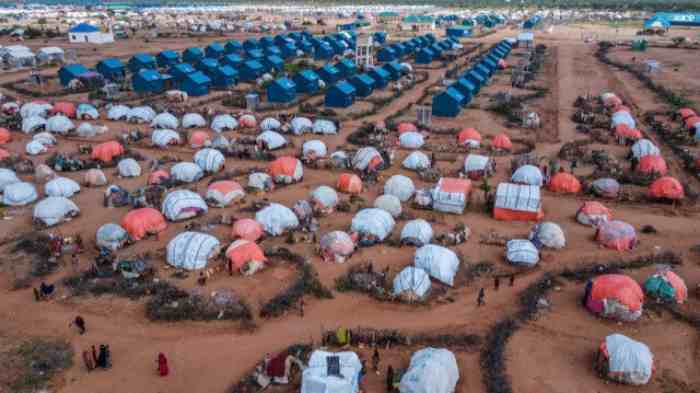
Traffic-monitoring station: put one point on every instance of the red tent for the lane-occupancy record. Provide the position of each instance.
(564, 182)
(615, 296)
(623, 131)
(199, 139)
(140, 222)
(666, 187)
(5, 136)
(247, 229)
(106, 151)
(406, 127)
(65, 108)
(349, 183)
(685, 113)
(468, 135)
(502, 142)
(652, 164)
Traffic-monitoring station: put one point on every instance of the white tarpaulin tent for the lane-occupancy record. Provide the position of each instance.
(7, 177)
(223, 123)
(314, 149)
(33, 124)
(141, 114)
(118, 112)
(412, 282)
(186, 172)
(273, 140)
(301, 125)
(411, 140)
(548, 234)
(191, 250)
(389, 204)
(62, 186)
(277, 219)
(417, 232)
(522, 252)
(193, 120)
(210, 160)
(270, 124)
(645, 147)
(315, 378)
(165, 137)
(364, 156)
(34, 148)
(165, 120)
(440, 262)
(374, 222)
(59, 124)
(53, 210)
(416, 161)
(518, 197)
(260, 181)
(400, 186)
(528, 174)
(183, 204)
(128, 167)
(432, 370)
(111, 236)
(629, 361)
(326, 127)
(32, 109)
(19, 194)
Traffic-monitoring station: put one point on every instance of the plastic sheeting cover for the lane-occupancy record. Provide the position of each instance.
(53, 210)
(210, 160)
(389, 203)
(416, 161)
(182, 204)
(260, 181)
(165, 120)
(111, 236)
(364, 156)
(62, 186)
(411, 140)
(277, 219)
(325, 127)
(432, 370)
(59, 124)
(412, 279)
(193, 120)
(632, 359)
(400, 186)
(373, 221)
(300, 125)
(141, 114)
(165, 137)
(270, 124)
(315, 379)
(528, 174)
(548, 234)
(118, 112)
(439, 262)
(7, 177)
(223, 123)
(314, 148)
(32, 124)
(129, 167)
(522, 252)
(475, 162)
(273, 140)
(187, 172)
(645, 147)
(191, 250)
(19, 194)
(326, 196)
(417, 232)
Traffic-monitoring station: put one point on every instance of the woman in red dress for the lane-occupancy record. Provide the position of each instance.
(162, 365)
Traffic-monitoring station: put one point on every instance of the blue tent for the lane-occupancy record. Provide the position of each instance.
(399, 49)
(224, 76)
(458, 31)
(306, 47)
(214, 50)
(83, 28)
(254, 54)
(280, 40)
(386, 54)
(465, 99)
(147, 81)
(180, 71)
(272, 50)
(207, 65)
(448, 103)
(340, 95)
(380, 76)
(296, 36)
(192, 55)
(329, 74)
(289, 50)
(196, 84)
(394, 70)
(167, 58)
(338, 46)
(481, 69)
(346, 67)
(474, 77)
(306, 81)
(232, 60)
(111, 69)
(466, 88)
(233, 46)
(379, 37)
(250, 44)
(431, 38)
(69, 72)
(498, 52)
(323, 52)
(409, 47)
(444, 45)
(266, 42)
(274, 63)
(363, 84)
(425, 56)
(281, 90)
(251, 70)
(140, 61)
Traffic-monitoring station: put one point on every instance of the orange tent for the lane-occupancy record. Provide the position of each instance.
(225, 191)
(5, 136)
(502, 142)
(652, 164)
(199, 139)
(65, 108)
(406, 127)
(143, 221)
(614, 287)
(594, 211)
(106, 151)
(468, 134)
(247, 229)
(666, 187)
(247, 121)
(565, 183)
(241, 252)
(156, 177)
(692, 121)
(622, 130)
(349, 183)
(283, 166)
(4, 154)
(686, 113)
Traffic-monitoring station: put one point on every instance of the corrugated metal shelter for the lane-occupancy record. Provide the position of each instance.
(306, 81)
(192, 55)
(380, 76)
(281, 90)
(142, 61)
(273, 62)
(329, 73)
(448, 103)
(251, 70)
(363, 84)
(340, 95)
(180, 71)
(69, 72)
(233, 47)
(346, 67)
(112, 69)
(196, 84)
(148, 81)
(224, 76)
(167, 58)
(214, 50)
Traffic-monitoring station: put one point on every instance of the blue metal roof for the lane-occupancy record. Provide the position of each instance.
(184, 68)
(112, 63)
(198, 78)
(227, 70)
(83, 28)
(252, 64)
(285, 83)
(345, 87)
(149, 75)
(309, 75)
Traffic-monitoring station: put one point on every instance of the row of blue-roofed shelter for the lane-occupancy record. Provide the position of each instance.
(399, 50)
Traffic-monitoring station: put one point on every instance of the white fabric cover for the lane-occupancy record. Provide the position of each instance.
(411, 140)
(645, 147)
(111, 236)
(86, 130)
(528, 174)
(475, 162)
(631, 361)
(440, 262)
(186, 172)
(362, 158)
(191, 250)
(326, 196)
(59, 124)
(165, 137)
(95, 177)
(7, 177)
(548, 234)
(337, 244)
(165, 120)
(223, 123)
(260, 181)
(61, 186)
(274, 140)
(400, 186)
(179, 204)
(141, 114)
(412, 279)
(32, 124)
(325, 127)
(128, 167)
(340, 159)
(301, 125)
(448, 201)
(118, 112)
(193, 120)
(314, 378)
(518, 197)
(270, 124)
(389, 203)
(53, 210)
(373, 221)
(416, 161)
(19, 194)
(623, 118)
(220, 142)
(210, 160)
(522, 252)
(222, 200)
(432, 370)
(87, 111)
(314, 148)
(45, 138)
(32, 109)
(34, 148)
(418, 232)
(277, 219)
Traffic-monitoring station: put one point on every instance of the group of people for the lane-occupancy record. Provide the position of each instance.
(376, 363)
(94, 360)
(481, 297)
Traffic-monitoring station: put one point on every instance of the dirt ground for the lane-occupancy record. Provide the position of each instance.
(552, 354)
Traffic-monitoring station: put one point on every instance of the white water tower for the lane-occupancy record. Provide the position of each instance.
(364, 55)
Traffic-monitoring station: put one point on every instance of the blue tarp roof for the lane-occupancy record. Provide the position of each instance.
(253, 64)
(83, 28)
(199, 78)
(144, 58)
(184, 68)
(345, 87)
(364, 79)
(227, 70)
(149, 75)
(169, 54)
(112, 63)
(309, 75)
(285, 83)
(75, 69)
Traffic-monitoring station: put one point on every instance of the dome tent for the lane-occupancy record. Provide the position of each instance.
(411, 140)
(432, 370)
(286, 170)
(31, 109)
(617, 235)
(141, 114)
(400, 186)
(141, 222)
(270, 124)
(469, 137)
(336, 246)
(210, 160)
(43, 173)
(180, 205)
(625, 360)
(248, 121)
(668, 188)
(107, 151)
(54, 210)
(86, 130)
(325, 127)
(59, 124)
(247, 229)
(200, 138)
(34, 148)
(87, 112)
(349, 183)
(439, 262)
(313, 150)
(245, 256)
(128, 167)
(315, 378)
(19, 194)
(221, 193)
(33, 124)
(324, 199)
(614, 296)
(547, 234)
(45, 138)
(111, 236)
(223, 123)
(522, 252)
(593, 213)
(644, 147)
(260, 181)
(417, 233)
(220, 142)
(340, 159)
(193, 120)
(271, 140)
(655, 165)
(563, 182)
(412, 284)
(165, 120)
(118, 112)
(373, 225)
(276, 219)
(186, 172)
(158, 177)
(7, 177)
(389, 204)
(367, 159)
(191, 250)
(606, 187)
(528, 174)
(62, 186)
(301, 125)
(666, 286)
(416, 161)
(165, 137)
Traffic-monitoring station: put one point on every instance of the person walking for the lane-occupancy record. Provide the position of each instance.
(512, 280)
(162, 365)
(375, 360)
(75, 263)
(480, 300)
(389, 379)
(301, 307)
(79, 322)
(496, 283)
(94, 356)
(87, 359)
